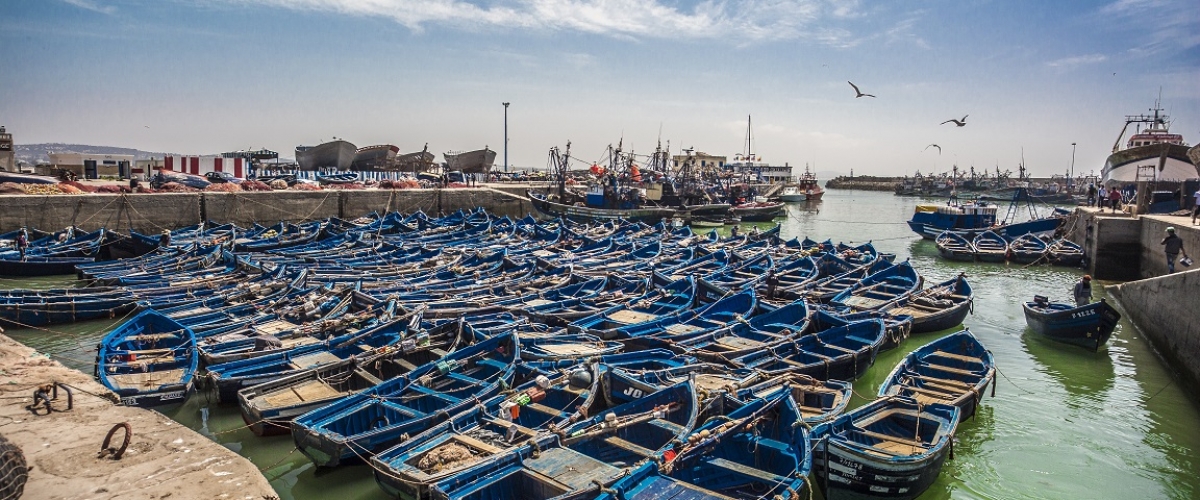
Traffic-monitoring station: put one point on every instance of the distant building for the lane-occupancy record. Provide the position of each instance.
(8, 162)
(200, 165)
(703, 161)
(753, 169)
(93, 166)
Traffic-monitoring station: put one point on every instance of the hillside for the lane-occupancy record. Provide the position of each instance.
(37, 153)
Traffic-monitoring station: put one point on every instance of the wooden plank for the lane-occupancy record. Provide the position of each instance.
(630, 317)
(747, 471)
(313, 360)
(628, 446)
(960, 357)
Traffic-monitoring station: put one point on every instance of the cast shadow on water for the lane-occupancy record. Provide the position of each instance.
(1086, 376)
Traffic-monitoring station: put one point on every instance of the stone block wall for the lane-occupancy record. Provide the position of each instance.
(145, 213)
(1154, 259)
(1166, 309)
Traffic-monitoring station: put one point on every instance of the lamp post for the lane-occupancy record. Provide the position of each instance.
(1071, 181)
(505, 137)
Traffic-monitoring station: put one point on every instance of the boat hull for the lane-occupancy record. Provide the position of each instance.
(479, 161)
(1089, 326)
(1121, 167)
(335, 154)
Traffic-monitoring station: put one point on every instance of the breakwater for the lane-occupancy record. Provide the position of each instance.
(864, 182)
(154, 212)
(1164, 309)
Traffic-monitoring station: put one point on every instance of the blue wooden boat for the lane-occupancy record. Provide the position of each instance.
(836, 281)
(333, 179)
(954, 246)
(939, 307)
(741, 337)
(897, 326)
(566, 346)
(358, 426)
(269, 407)
(36, 265)
(587, 456)
(1088, 326)
(818, 400)
(881, 288)
(1064, 252)
(759, 450)
(270, 364)
(1027, 249)
(497, 427)
(674, 297)
(149, 360)
(687, 322)
(953, 370)
(990, 247)
(890, 448)
(843, 353)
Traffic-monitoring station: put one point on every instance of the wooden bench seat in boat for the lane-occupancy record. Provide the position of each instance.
(313, 360)
(745, 470)
(958, 357)
(672, 427)
(145, 379)
(629, 446)
(311, 390)
(949, 369)
(628, 317)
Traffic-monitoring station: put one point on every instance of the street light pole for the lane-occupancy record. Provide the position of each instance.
(1072, 163)
(505, 137)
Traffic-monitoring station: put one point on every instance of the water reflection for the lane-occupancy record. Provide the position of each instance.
(1087, 376)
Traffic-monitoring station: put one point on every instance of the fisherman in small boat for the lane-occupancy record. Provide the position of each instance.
(164, 239)
(733, 233)
(1083, 291)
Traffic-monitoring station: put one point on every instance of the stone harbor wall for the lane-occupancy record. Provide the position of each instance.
(1166, 310)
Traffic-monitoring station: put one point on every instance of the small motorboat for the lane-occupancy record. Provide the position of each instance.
(1027, 249)
(990, 247)
(1065, 253)
(149, 360)
(955, 246)
(1089, 326)
(954, 370)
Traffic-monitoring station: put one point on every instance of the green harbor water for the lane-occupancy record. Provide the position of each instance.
(1065, 423)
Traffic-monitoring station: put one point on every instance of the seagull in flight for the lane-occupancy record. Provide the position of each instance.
(962, 122)
(859, 92)
(933, 146)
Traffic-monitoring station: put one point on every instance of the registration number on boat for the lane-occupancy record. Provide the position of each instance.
(1083, 314)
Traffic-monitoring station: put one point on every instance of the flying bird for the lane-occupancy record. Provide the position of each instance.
(859, 92)
(933, 146)
(961, 123)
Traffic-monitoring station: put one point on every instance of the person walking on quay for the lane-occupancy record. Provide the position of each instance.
(1101, 195)
(1114, 196)
(1196, 209)
(1083, 291)
(1091, 195)
(1172, 245)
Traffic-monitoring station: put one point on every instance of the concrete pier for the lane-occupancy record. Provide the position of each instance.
(1166, 310)
(151, 213)
(1124, 248)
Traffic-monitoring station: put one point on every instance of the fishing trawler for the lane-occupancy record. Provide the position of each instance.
(808, 189)
(1155, 151)
(471, 162)
(335, 154)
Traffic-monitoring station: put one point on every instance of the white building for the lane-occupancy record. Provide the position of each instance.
(200, 165)
(93, 166)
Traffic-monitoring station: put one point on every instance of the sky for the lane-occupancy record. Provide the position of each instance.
(206, 76)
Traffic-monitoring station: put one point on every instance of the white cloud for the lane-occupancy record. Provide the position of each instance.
(1076, 61)
(92, 6)
(740, 21)
(1172, 23)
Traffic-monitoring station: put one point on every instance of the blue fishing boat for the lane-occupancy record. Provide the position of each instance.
(842, 353)
(897, 326)
(269, 407)
(686, 322)
(824, 289)
(929, 221)
(954, 370)
(890, 448)
(149, 360)
(557, 346)
(990, 247)
(655, 304)
(881, 288)
(954, 246)
(1064, 252)
(1088, 326)
(496, 427)
(1027, 249)
(585, 457)
(818, 400)
(760, 450)
(741, 337)
(335, 179)
(939, 307)
(358, 426)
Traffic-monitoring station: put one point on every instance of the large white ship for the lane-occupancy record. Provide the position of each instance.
(1154, 151)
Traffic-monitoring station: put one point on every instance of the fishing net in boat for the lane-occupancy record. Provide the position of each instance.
(279, 184)
(447, 456)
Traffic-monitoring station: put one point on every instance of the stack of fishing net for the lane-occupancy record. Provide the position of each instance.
(224, 187)
(256, 186)
(302, 186)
